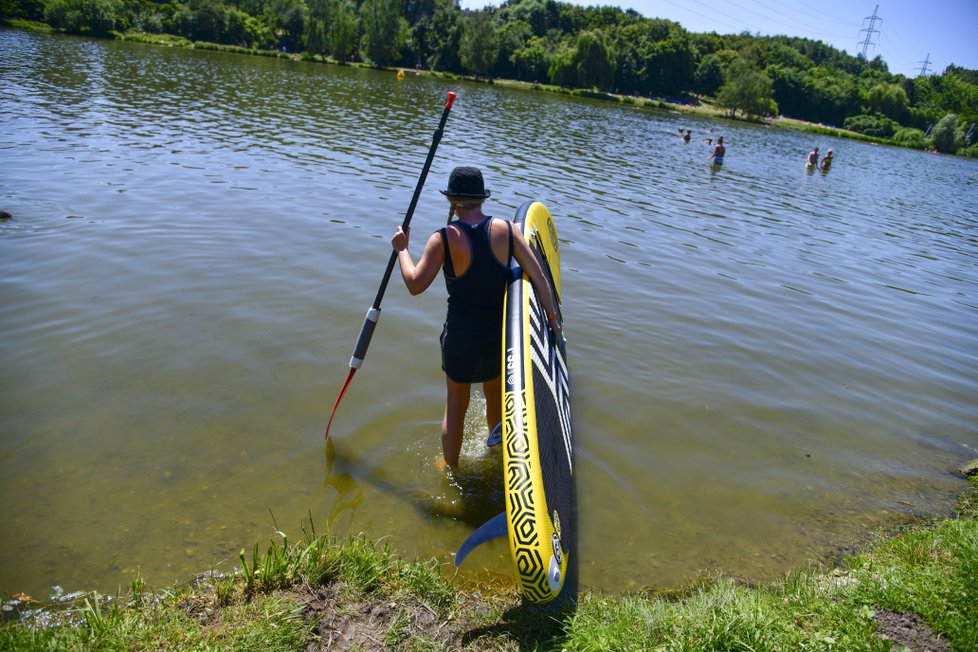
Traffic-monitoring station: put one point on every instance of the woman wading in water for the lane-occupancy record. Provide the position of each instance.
(473, 252)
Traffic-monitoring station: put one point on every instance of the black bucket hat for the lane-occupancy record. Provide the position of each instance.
(466, 182)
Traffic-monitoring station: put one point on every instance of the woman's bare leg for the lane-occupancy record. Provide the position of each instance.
(492, 389)
(453, 424)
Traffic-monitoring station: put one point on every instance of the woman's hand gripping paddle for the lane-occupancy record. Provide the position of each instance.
(367, 330)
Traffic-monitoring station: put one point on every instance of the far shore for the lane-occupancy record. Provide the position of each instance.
(692, 105)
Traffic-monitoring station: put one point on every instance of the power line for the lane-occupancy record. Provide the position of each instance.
(740, 25)
(869, 31)
(717, 11)
(710, 18)
(894, 55)
(802, 9)
(798, 30)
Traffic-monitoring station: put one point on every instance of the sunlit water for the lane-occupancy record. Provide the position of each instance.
(767, 365)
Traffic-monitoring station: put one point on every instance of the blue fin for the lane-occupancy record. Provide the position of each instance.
(491, 529)
(496, 436)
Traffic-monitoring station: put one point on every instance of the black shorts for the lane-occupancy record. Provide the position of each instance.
(472, 355)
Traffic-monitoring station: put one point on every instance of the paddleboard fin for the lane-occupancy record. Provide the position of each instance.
(496, 436)
(491, 529)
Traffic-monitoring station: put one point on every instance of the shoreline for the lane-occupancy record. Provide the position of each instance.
(697, 106)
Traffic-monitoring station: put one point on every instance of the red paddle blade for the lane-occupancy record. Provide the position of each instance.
(339, 398)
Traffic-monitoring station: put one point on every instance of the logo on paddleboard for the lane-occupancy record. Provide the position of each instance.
(510, 368)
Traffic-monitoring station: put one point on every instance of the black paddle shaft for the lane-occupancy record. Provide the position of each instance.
(367, 331)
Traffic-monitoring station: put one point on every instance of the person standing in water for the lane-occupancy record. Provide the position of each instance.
(718, 152)
(812, 161)
(827, 161)
(473, 254)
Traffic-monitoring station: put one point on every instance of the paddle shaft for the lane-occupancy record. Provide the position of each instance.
(373, 315)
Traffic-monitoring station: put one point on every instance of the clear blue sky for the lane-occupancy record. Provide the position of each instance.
(908, 33)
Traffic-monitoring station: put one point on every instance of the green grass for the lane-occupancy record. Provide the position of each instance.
(291, 593)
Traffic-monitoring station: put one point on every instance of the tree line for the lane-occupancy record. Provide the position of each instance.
(602, 48)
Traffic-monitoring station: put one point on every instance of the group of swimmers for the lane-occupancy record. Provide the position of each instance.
(812, 162)
(716, 158)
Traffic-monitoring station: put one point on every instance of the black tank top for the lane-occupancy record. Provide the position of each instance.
(477, 294)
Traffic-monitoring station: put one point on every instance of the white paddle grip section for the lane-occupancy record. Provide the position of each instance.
(363, 341)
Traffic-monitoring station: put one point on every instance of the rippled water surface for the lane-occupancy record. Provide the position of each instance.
(767, 365)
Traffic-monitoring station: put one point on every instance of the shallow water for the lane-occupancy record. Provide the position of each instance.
(767, 365)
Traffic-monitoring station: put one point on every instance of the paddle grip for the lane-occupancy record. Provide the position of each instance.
(363, 341)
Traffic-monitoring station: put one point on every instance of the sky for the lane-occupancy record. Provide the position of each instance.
(906, 34)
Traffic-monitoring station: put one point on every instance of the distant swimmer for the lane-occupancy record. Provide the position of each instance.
(812, 161)
(718, 152)
(827, 161)
(687, 136)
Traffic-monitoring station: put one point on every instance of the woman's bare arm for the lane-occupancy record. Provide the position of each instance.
(418, 277)
(529, 264)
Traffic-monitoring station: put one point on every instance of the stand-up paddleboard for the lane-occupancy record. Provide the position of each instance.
(538, 451)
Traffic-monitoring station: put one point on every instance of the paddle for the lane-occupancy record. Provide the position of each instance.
(370, 322)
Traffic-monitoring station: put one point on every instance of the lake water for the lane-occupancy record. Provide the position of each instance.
(767, 366)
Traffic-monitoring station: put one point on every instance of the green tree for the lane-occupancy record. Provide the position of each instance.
(478, 46)
(206, 20)
(341, 31)
(511, 37)
(708, 77)
(532, 61)
(669, 64)
(747, 89)
(910, 138)
(889, 100)
(871, 125)
(95, 17)
(540, 15)
(288, 21)
(315, 36)
(593, 61)
(384, 30)
(9, 9)
(562, 71)
(944, 135)
(442, 40)
(247, 31)
(831, 95)
(654, 57)
(789, 90)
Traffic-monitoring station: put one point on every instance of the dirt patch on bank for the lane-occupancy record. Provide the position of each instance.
(500, 621)
(908, 632)
(341, 624)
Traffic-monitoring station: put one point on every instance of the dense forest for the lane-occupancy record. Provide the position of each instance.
(602, 48)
